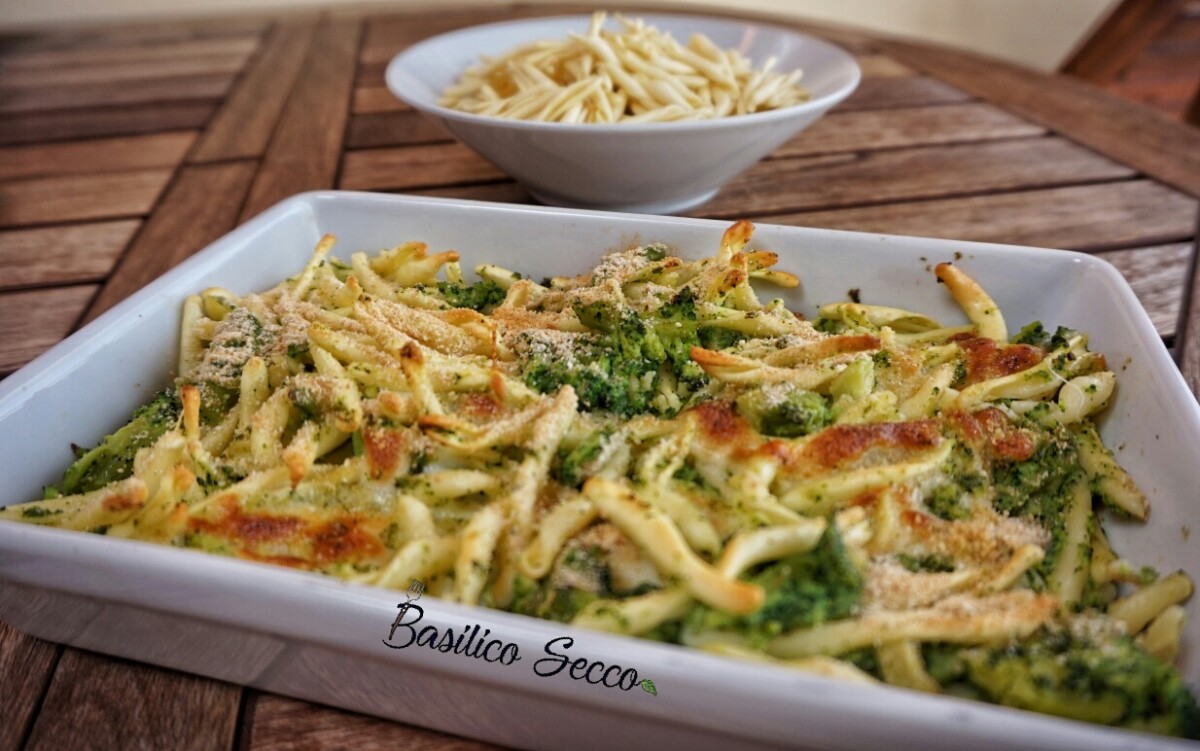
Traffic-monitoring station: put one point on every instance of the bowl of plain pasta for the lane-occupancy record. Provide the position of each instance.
(651, 114)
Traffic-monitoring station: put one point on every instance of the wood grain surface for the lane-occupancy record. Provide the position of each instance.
(126, 148)
(307, 145)
(32, 321)
(400, 169)
(64, 254)
(66, 198)
(277, 723)
(94, 122)
(1187, 346)
(97, 702)
(1156, 275)
(243, 125)
(26, 664)
(202, 204)
(1139, 137)
(878, 177)
(116, 93)
(98, 155)
(1123, 214)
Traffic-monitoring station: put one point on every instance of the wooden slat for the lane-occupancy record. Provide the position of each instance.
(415, 167)
(1088, 217)
(1137, 136)
(68, 198)
(33, 321)
(157, 90)
(243, 125)
(1191, 113)
(138, 53)
(386, 35)
(106, 35)
(281, 724)
(1159, 62)
(117, 704)
(305, 151)
(866, 130)
(874, 65)
(1122, 35)
(506, 191)
(113, 72)
(62, 255)
(779, 185)
(371, 75)
(25, 667)
(67, 125)
(374, 99)
(852, 40)
(1187, 340)
(913, 91)
(1157, 276)
(202, 205)
(99, 155)
(394, 129)
(1168, 96)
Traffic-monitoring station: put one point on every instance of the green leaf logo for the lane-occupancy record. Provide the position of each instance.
(648, 687)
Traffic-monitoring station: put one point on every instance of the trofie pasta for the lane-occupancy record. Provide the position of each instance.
(637, 75)
(648, 449)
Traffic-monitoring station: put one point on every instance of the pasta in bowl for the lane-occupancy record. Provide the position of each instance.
(648, 449)
(637, 75)
(671, 152)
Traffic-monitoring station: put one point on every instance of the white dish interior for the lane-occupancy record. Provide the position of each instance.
(308, 636)
(652, 168)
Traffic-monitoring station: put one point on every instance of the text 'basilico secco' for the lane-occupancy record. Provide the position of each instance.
(470, 642)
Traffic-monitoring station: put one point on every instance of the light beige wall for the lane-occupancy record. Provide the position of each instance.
(1037, 33)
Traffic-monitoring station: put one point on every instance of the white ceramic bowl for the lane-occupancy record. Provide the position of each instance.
(655, 168)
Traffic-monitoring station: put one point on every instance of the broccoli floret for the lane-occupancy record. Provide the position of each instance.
(655, 252)
(621, 368)
(1037, 335)
(689, 474)
(600, 379)
(716, 337)
(543, 600)
(803, 590)
(1112, 682)
(674, 326)
(112, 459)
(829, 325)
(945, 502)
(943, 662)
(560, 598)
(603, 375)
(572, 468)
(1033, 333)
(784, 411)
(1039, 488)
(481, 296)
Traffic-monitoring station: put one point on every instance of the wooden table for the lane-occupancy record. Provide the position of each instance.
(125, 149)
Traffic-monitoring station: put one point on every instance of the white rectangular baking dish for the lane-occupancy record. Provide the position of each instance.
(312, 637)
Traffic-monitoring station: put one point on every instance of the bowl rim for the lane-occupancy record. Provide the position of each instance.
(816, 104)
